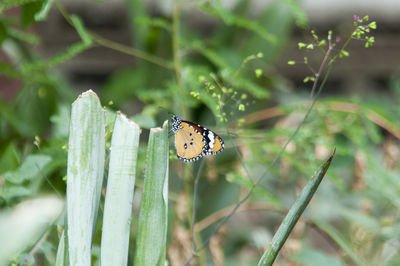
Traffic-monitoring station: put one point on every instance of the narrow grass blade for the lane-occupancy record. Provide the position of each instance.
(152, 227)
(61, 251)
(294, 214)
(119, 196)
(86, 150)
(24, 225)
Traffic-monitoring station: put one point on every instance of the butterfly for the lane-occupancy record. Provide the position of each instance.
(193, 141)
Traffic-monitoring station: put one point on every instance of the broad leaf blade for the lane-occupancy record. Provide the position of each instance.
(23, 226)
(86, 150)
(152, 227)
(119, 195)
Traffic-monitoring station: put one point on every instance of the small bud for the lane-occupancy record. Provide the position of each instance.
(355, 17)
(241, 107)
(301, 45)
(369, 41)
(310, 46)
(343, 53)
(258, 72)
(243, 96)
(291, 63)
(322, 43)
(338, 39)
(202, 78)
(260, 55)
(366, 18)
(329, 35)
(315, 36)
(36, 142)
(372, 25)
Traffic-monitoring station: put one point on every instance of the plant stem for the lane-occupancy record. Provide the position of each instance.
(131, 51)
(195, 190)
(294, 214)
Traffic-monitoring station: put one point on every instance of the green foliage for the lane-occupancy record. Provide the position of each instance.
(153, 216)
(28, 12)
(120, 188)
(224, 75)
(86, 156)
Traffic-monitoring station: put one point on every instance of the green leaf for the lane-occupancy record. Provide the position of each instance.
(372, 25)
(78, 24)
(301, 45)
(41, 15)
(30, 169)
(10, 3)
(3, 32)
(86, 154)
(28, 12)
(23, 36)
(9, 159)
(312, 257)
(294, 214)
(61, 251)
(26, 223)
(153, 216)
(119, 194)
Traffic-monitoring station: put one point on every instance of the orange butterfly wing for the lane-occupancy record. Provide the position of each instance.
(218, 145)
(193, 141)
(189, 143)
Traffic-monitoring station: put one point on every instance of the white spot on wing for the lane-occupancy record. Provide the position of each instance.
(211, 137)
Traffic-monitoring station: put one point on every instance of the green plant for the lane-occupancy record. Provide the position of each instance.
(225, 76)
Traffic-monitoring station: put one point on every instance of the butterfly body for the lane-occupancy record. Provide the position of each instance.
(193, 141)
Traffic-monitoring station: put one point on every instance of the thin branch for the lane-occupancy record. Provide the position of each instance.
(175, 43)
(131, 51)
(196, 182)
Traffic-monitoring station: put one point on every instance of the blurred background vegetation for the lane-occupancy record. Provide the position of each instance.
(222, 64)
